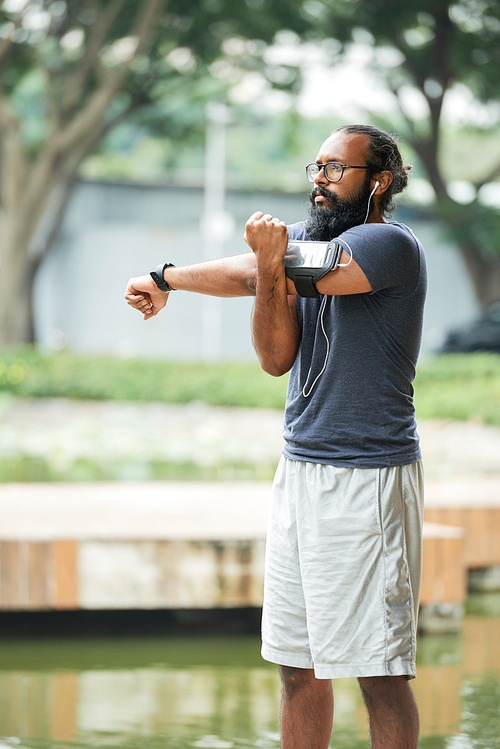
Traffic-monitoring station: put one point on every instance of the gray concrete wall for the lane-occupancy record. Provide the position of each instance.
(114, 231)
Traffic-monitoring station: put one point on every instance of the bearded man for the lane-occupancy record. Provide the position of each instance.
(343, 553)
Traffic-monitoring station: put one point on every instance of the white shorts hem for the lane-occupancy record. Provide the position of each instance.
(294, 660)
(398, 667)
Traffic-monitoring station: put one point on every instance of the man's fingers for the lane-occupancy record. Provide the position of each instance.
(256, 216)
(261, 224)
(267, 218)
(134, 298)
(151, 312)
(139, 302)
(272, 219)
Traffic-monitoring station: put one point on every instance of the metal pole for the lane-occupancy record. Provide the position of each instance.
(215, 222)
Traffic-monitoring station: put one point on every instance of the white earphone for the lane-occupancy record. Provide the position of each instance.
(306, 393)
(369, 199)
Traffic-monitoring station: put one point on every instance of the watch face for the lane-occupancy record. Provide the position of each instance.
(307, 254)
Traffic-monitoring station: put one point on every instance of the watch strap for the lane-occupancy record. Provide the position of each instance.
(157, 276)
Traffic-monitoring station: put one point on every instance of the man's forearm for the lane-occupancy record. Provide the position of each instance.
(233, 276)
(274, 333)
(226, 277)
(274, 328)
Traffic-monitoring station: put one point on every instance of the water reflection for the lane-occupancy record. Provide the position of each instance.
(183, 703)
(216, 692)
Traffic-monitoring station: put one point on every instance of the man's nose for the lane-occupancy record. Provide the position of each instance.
(320, 178)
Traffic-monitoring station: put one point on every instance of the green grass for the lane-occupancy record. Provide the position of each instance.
(465, 387)
(454, 386)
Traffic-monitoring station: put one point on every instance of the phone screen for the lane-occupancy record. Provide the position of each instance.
(307, 254)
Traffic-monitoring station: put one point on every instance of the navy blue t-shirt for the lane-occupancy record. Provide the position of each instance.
(360, 411)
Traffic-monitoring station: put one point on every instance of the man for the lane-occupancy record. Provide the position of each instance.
(343, 555)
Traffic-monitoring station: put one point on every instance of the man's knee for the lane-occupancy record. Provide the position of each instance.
(296, 679)
(374, 686)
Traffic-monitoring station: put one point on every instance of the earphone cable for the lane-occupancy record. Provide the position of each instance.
(322, 313)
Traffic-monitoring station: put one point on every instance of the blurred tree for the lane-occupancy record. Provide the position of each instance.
(435, 46)
(72, 70)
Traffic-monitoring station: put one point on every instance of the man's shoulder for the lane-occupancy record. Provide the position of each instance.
(391, 231)
(386, 230)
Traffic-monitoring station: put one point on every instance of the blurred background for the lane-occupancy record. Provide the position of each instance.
(135, 458)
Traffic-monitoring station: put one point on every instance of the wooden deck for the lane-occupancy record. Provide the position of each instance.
(197, 545)
(474, 505)
(444, 575)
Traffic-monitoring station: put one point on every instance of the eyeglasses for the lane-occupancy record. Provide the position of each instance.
(332, 170)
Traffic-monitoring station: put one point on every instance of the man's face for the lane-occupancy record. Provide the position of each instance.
(338, 206)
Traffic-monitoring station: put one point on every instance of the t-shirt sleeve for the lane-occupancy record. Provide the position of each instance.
(388, 255)
(297, 232)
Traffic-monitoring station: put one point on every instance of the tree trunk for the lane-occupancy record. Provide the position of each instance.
(464, 224)
(472, 228)
(15, 284)
(22, 251)
(483, 272)
(31, 186)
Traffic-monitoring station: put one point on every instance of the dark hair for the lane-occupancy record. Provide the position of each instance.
(383, 155)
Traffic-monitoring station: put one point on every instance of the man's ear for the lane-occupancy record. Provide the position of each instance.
(384, 179)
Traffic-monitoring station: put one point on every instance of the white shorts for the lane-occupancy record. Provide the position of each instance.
(343, 569)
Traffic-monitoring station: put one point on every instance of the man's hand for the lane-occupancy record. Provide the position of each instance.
(144, 295)
(267, 237)
(273, 322)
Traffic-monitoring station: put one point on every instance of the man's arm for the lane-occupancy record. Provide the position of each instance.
(347, 278)
(274, 324)
(276, 333)
(226, 277)
(236, 276)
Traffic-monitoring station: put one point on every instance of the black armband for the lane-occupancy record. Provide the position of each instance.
(307, 262)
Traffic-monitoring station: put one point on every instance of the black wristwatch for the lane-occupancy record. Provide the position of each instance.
(157, 276)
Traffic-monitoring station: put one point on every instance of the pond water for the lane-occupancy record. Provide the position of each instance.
(189, 691)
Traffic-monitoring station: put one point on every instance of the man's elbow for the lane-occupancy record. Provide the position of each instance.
(274, 372)
(275, 367)
(251, 284)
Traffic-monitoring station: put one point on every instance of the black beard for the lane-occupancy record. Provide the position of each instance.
(326, 221)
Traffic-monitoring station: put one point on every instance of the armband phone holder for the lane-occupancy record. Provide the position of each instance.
(307, 262)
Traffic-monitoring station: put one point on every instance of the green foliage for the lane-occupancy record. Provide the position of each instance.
(56, 56)
(453, 386)
(440, 40)
(26, 372)
(468, 154)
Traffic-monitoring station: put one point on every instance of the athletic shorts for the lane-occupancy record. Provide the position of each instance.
(343, 569)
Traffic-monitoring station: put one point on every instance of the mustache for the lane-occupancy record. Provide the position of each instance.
(318, 190)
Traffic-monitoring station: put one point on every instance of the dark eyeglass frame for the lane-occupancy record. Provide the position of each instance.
(323, 166)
